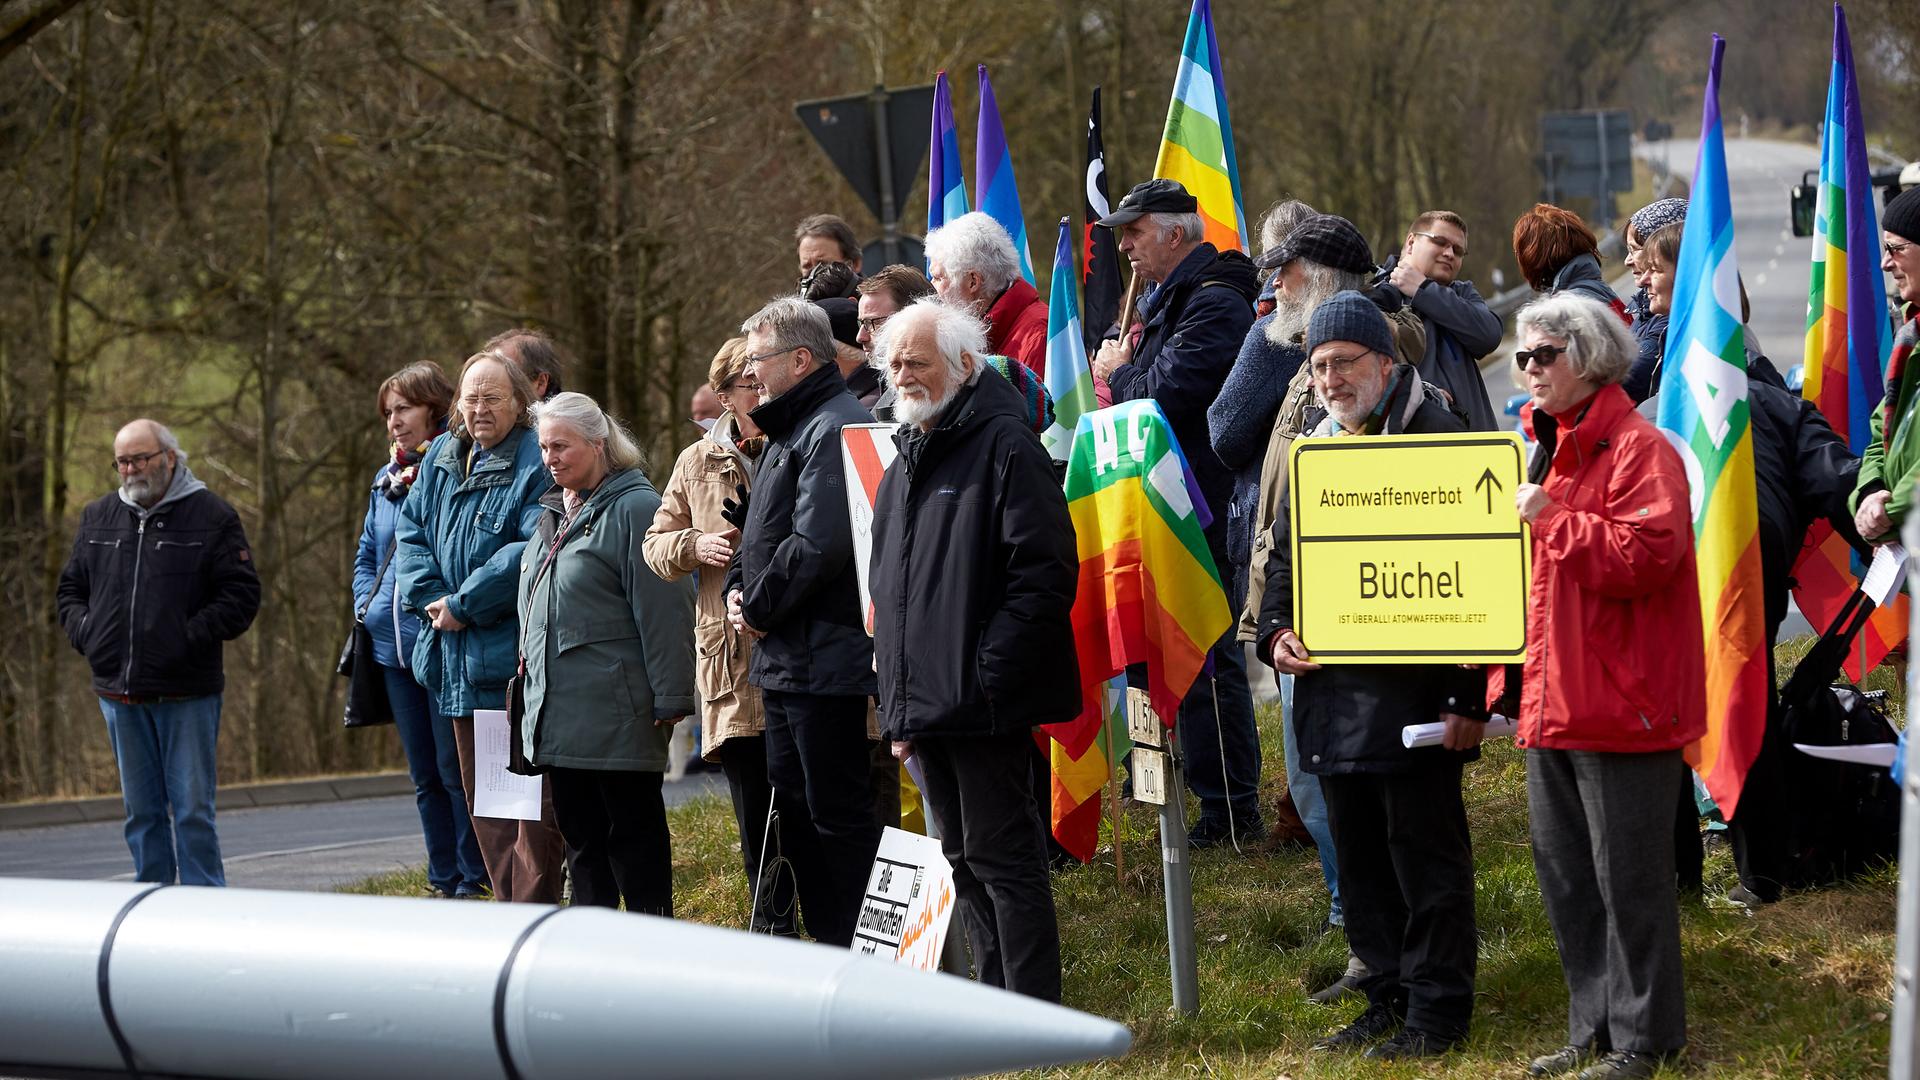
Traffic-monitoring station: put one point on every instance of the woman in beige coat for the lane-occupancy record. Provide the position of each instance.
(689, 536)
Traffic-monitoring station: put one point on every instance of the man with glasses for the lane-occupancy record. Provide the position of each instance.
(1424, 276)
(159, 580)
(1398, 820)
(1892, 461)
(794, 588)
(881, 296)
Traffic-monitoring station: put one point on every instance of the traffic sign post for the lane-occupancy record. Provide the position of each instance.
(1407, 549)
(1587, 153)
(877, 140)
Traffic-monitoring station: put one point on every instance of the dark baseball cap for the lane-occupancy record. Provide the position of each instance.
(1152, 197)
(1327, 239)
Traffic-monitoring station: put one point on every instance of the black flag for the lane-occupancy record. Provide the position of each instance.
(1100, 261)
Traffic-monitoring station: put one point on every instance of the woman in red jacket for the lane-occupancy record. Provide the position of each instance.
(1613, 687)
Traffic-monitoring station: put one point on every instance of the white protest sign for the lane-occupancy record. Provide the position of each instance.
(909, 902)
(498, 793)
(866, 451)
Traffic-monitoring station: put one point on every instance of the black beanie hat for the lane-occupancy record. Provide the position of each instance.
(1903, 215)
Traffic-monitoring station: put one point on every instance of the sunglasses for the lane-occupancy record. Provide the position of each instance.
(1544, 355)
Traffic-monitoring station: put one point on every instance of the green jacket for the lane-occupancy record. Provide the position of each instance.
(608, 645)
(1894, 465)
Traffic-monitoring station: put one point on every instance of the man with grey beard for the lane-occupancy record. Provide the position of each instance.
(159, 579)
(973, 577)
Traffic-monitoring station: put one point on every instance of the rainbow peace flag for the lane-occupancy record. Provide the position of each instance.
(1069, 379)
(1705, 414)
(1847, 344)
(993, 175)
(946, 188)
(1148, 589)
(1197, 148)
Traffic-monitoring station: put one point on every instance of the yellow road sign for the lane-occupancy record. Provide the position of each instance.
(1407, 549)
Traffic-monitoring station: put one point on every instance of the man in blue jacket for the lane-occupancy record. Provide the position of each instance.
(1194, 318)
(160, 579)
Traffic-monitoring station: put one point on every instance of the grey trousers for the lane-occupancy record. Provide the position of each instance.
(1603, 851)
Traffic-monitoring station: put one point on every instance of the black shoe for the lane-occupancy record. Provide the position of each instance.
(1334, 991)
(1375, 1024)
(1747, 898)
(1628, 1065)
(1561, 1061)
(1413, 1043)
(1211, 831)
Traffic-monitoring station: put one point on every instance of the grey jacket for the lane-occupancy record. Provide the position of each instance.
(608, 645)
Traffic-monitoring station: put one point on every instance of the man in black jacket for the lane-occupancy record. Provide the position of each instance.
(159, 580)
(794, 587)
(1195, 317)
(1399, 824)
(973, 579)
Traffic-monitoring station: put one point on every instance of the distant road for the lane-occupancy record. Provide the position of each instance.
(314, 847)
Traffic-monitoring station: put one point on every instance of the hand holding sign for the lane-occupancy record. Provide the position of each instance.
(1289, 655)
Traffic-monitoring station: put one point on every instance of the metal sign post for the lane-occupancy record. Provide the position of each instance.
(1904, 1063)
(1157, 779)
(877, 140)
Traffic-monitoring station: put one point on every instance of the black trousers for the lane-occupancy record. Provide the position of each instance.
(1762, 827)
(615, 825)
(744, 759)
(1406, 887)
(980, 788)
(818, 763)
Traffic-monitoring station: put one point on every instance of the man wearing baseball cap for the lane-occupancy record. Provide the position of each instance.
(1194, 315)
(1891, 464)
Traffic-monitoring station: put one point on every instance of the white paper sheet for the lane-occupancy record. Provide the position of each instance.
(1417, 735)
(1885, 574)
(499, 793)
(1877, 754)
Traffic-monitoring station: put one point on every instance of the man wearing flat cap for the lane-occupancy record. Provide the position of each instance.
(1399, 824)
(1195, 313)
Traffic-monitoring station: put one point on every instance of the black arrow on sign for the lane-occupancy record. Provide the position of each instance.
(1489, 481)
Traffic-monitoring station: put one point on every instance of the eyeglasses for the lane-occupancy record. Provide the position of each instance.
(491, 401)
(1459, 250)
(745, 388)
(872, 323)
(751, 360)
(1339, 365)
(1544, 355)
(1896, 250)
(136, 461)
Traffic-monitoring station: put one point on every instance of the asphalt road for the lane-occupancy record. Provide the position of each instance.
(314, 847)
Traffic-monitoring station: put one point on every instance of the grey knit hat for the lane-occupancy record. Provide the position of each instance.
(1903, 215)
(1657, 215)
(1349, 316)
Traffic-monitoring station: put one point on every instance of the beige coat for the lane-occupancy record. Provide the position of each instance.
(703, 477)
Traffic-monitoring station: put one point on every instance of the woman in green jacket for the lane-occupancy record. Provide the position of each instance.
(607, 652)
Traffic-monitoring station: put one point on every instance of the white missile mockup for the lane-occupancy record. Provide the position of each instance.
(115, 979)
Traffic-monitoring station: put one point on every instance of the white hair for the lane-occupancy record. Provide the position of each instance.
(1292, 311)
(584, 415)
(956, 334)
(975, 243)
(1279, 220)
(1192, 228)
(794, 323)
(1599, 345)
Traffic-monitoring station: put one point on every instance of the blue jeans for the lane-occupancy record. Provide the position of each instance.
(1305, 788)
(166, 752)
(1223, 752)
(453, 855)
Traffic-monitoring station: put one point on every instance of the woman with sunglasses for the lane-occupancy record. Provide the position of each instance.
(1612, 688)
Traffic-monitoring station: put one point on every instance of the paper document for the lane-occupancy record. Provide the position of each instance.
(1418, 735)
(499, 793)
(1886, 574)
(1879, 755)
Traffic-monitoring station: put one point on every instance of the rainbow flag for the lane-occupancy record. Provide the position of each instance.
(946, 188)
(1197, 148)
(993, 175)
(1148, 591)
(1847, 344)
(1705, 413)
(1069, 379)
(1078, 779)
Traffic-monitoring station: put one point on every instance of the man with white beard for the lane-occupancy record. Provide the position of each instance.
(973, 578)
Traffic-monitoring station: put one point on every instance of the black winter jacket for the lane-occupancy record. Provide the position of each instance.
(795, 568)
(1196, 321)
(1347, 717)
(150, 599)
(973, 576)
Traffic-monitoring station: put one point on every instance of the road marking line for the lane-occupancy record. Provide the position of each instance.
(309, 850)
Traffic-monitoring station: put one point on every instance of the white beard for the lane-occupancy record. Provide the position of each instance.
(921, 409)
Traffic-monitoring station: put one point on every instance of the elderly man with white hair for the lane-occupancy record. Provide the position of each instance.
(973, 579)
(974, 267)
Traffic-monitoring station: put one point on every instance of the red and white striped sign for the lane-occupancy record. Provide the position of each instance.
(866, 452)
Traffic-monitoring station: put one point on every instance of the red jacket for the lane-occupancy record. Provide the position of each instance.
(1615, 653)
(1017, 327)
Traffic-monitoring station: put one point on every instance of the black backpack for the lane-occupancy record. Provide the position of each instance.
(1845, 817)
